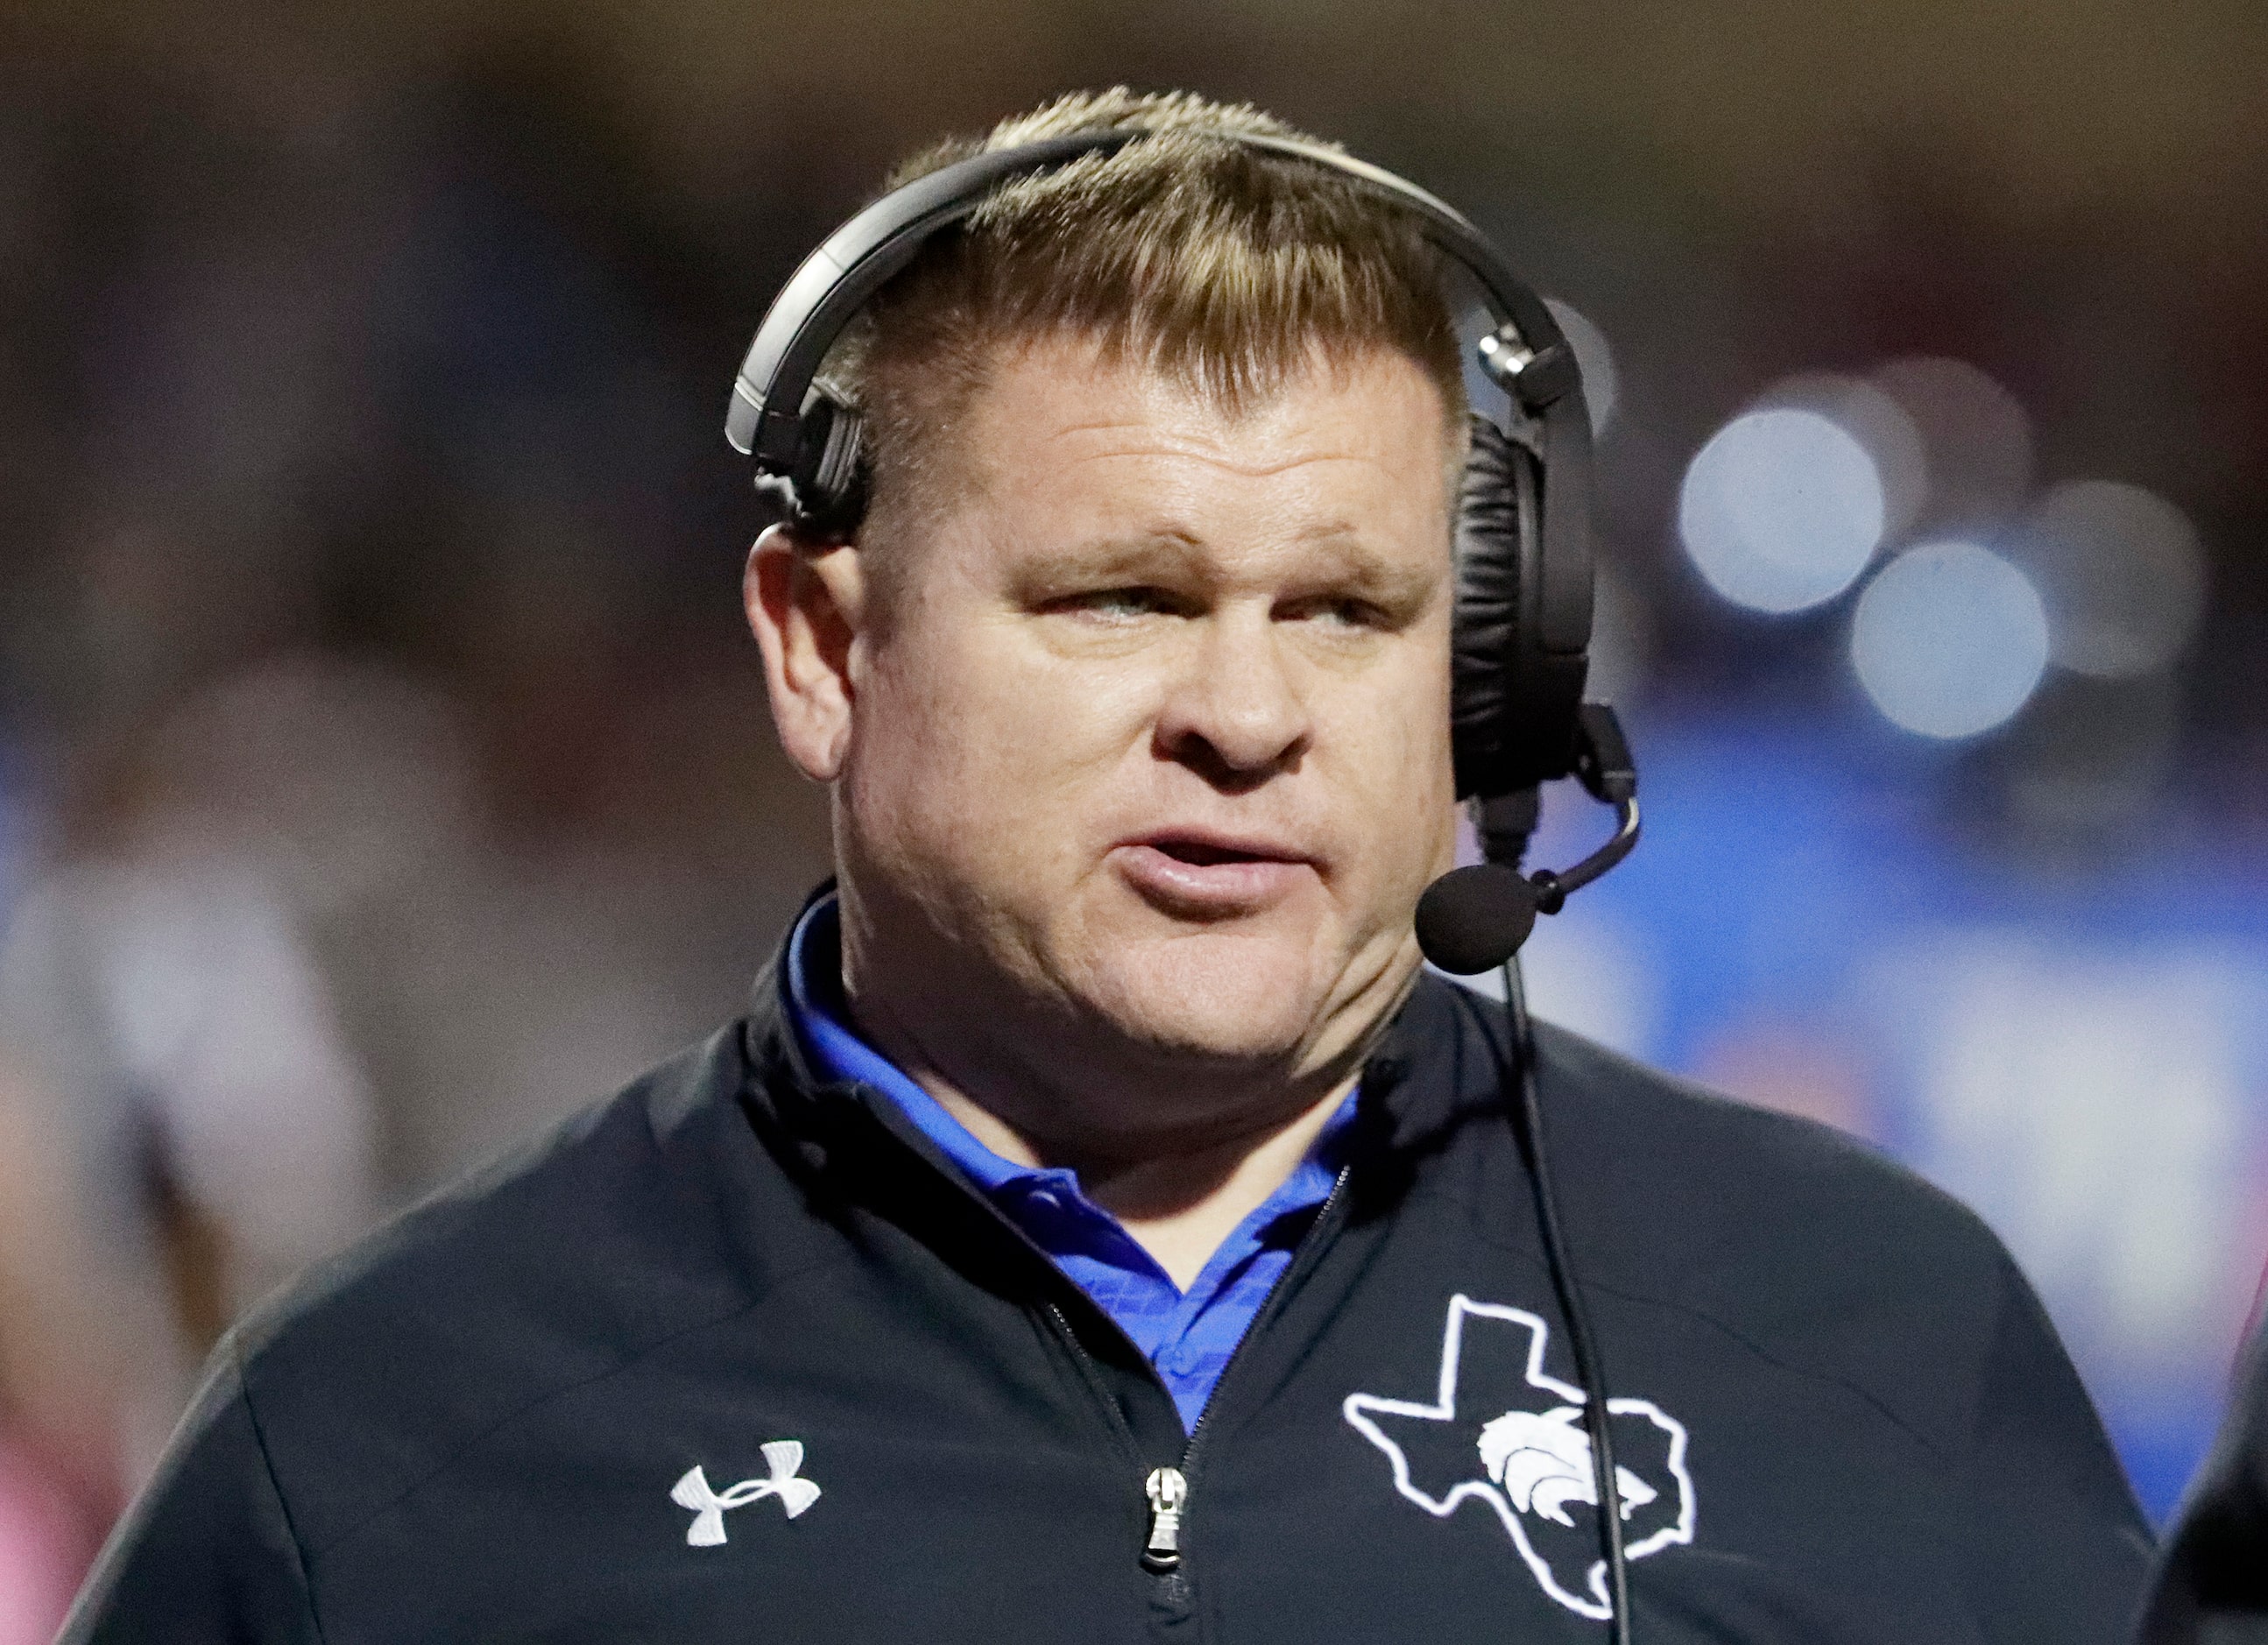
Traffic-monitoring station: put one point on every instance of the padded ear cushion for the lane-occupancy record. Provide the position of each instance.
(1514, 703)
(825, 493)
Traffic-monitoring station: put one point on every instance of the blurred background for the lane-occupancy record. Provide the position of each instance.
(384, 768)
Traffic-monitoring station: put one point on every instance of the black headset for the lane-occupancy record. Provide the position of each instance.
(1523, 609)
(1521, 633)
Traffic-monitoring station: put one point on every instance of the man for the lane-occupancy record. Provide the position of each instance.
(2210, 1587)
(1099, 1229)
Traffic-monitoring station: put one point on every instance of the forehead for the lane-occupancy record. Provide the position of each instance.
(1363, 440)
(1373, 402)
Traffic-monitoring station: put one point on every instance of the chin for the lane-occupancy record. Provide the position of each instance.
(1215, 995)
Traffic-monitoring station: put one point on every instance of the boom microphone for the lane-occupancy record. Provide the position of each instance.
(1475, 919)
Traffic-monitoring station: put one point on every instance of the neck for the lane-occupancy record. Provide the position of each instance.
(1177, 1203)
(1178, 1147)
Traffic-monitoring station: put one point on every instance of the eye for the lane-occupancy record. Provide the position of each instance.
(1336, 612)
(1120, 605)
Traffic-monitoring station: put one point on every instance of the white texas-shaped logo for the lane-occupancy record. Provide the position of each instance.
(1503, 1432)
(782, 1458)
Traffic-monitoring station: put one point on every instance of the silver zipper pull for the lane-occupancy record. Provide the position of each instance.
(1168, 1491)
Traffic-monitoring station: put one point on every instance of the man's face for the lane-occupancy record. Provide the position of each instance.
(1151, 724)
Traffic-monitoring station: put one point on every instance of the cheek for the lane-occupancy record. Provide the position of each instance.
(1404, 696)
(1396, 777)
(969, 749)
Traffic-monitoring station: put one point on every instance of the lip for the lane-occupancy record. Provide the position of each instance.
(1205, 873)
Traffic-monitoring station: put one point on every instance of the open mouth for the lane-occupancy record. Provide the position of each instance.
(1204, 853)
(1195, 877)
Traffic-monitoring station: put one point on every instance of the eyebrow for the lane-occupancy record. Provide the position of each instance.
(1361, 570)
(1346, 565)
(1108, 559)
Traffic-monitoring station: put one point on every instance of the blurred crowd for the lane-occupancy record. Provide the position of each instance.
(384, 770)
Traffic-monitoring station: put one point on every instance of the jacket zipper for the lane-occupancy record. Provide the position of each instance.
(1169, 1489)
(1093, 1373)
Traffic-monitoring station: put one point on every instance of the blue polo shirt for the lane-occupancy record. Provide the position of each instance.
(1188, 1335)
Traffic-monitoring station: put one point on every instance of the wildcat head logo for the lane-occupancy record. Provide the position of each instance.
(1504, 1433)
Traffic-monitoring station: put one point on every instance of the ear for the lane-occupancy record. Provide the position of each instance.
(806, 605)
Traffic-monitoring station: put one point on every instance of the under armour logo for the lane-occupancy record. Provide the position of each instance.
(785, 1460)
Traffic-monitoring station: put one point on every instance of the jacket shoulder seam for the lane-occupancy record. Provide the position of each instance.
(1770, 1358)
(274, 1483)
(1648, 1300)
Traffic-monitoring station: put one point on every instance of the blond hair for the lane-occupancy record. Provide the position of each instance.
(1231, 269)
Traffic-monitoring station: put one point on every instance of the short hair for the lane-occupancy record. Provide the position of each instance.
(1231, 269)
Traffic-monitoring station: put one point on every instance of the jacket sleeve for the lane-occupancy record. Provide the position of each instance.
(2213, 1582)
(207, 1553)
(2061, 1550)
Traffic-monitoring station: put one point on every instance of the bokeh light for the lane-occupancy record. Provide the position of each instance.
(1976, 439)
(2122, 574)
(1781, 509)
(1950, 640)
(1869, 415)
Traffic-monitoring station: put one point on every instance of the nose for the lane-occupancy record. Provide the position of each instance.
(1235, 714)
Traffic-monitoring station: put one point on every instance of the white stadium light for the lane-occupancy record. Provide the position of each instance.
(1976, 436)
(1782, 510)
(2122, 573)
(1950, 640)
(1868, 414)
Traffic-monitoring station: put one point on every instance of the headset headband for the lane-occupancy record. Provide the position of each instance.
(1528, 356)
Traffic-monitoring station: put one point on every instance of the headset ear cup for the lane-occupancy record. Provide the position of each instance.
(1512, 702)
(828, 488)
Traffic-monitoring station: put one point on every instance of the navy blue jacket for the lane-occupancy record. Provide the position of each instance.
(2212, 1584)
(735, 1355)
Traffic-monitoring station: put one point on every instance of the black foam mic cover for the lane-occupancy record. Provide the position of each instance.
(1474, 919)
